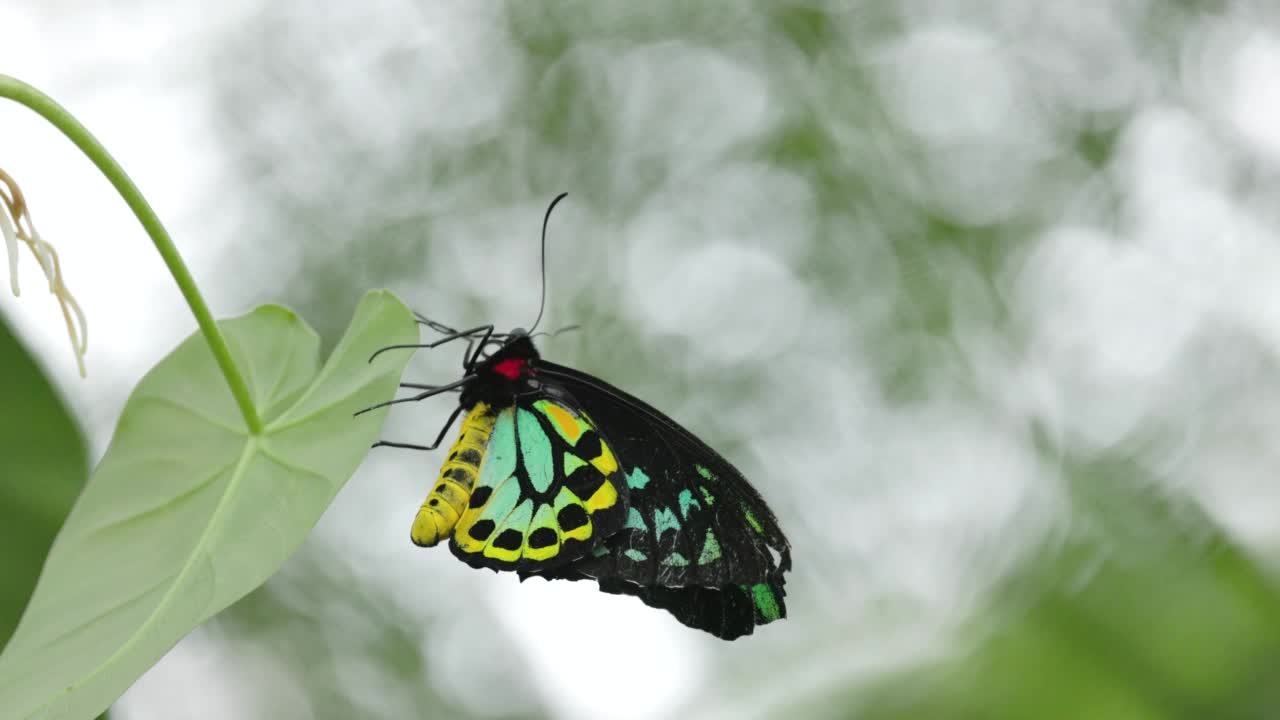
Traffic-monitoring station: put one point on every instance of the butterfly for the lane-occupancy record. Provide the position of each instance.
(558, 474)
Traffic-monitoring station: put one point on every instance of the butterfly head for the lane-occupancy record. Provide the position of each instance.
(505, 373)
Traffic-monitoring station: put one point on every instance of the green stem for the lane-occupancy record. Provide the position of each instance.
(50, 110)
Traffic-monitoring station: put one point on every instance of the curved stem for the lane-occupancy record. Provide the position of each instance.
(50, 110)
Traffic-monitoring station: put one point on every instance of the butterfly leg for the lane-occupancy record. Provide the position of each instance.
(471, 354)
(474, 352)
(446, 339)
(437, 326)
(467, 354)
(488, 333)
(439, 438)
(436, 390)
(443, 330)
(419, 386)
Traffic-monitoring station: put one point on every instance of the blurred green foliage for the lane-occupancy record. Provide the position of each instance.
(321, 643)
(43, 465)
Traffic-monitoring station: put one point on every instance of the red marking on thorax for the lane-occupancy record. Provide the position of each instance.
(510, 369)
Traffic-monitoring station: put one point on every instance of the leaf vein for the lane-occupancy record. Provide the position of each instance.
(311, 414)
(176, 582)
(202, 484)
(193, 411)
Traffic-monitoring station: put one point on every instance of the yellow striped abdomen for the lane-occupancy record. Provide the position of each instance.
(442, 508)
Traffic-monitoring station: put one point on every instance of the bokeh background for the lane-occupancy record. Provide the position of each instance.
(983, 296)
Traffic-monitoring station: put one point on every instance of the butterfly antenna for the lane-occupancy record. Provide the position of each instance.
(542, 304)
(555, 333)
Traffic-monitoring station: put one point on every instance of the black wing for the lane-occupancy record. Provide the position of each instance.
(699, 541)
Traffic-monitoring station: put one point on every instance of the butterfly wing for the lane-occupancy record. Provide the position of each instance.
(548, 491)
(728, 612)
(698, 540)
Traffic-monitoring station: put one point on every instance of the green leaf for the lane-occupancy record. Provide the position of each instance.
(43, 465)
(188, 511)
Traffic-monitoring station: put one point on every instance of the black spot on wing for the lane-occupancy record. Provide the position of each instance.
(584, 480)
(543, 537)
(588, 446)
(482, 529)
(509, 539)
(572, 517)
(479, 498)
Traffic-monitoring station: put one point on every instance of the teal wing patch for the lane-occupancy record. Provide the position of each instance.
(549, 490)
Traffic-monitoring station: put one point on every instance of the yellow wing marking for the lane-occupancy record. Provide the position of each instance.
(570, 427)
(604, 497)
(605, 463)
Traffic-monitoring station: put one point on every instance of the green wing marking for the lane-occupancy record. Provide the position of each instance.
(549, 490)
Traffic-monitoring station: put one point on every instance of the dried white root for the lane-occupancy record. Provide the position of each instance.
(16, 225)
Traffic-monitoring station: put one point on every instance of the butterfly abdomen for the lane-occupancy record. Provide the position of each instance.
(442, 508)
